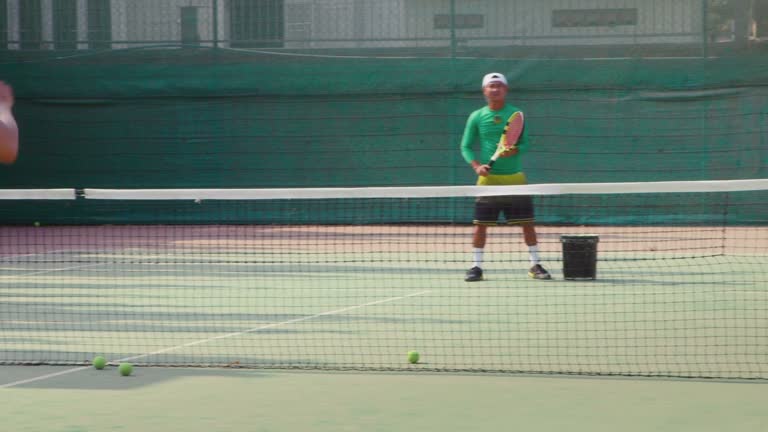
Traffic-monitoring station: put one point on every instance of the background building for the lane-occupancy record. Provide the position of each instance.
(98, 24)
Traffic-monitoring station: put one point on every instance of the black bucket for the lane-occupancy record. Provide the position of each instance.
(579, 256)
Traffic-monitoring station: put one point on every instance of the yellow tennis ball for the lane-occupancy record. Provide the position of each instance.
(413, 357)
(99, 362)
(125, 369)
(37, 224)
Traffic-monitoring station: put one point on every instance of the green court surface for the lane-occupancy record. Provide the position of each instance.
(308, 337)
(178, 399)
(263, 305)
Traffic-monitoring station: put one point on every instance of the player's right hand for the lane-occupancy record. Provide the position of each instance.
(482, 170)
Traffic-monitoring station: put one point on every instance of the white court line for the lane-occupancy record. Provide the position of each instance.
(39, 272)
(42, 377)
(9, 257)
(49, 271)
(224, 336)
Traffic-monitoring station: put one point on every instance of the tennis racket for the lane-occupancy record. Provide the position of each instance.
(512, 131)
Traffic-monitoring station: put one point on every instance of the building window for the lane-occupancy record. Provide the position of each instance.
(99, 16)
(461, 21)
(593, 17)
(256, 23)
(30, 24)
(189, 25)
(65, 24)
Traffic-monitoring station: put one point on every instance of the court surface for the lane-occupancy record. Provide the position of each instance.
(238, 299)
(361, 297)
(178, 399)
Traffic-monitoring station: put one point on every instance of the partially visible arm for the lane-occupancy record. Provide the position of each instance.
(9, 131)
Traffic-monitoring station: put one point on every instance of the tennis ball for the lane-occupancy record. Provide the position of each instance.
(413, 357)
(37, 224)
(125, 369)
(99, 362)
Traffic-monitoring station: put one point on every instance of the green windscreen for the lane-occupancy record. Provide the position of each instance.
(270, 93)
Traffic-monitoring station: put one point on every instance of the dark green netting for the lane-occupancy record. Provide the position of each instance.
(220, 119)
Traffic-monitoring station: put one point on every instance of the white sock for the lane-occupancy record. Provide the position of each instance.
(478, 255)
(534, 251)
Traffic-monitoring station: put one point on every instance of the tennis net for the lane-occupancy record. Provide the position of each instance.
(355, 278)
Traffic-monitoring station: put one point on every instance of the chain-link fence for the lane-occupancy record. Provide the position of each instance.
(428, 26)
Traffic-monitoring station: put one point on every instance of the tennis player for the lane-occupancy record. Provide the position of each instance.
(486, 126)
(9, 132)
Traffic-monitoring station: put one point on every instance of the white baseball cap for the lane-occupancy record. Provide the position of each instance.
(494, 77)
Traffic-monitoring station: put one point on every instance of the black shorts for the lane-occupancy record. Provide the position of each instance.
(517, 209)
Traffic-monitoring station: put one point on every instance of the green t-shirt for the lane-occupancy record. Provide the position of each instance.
(487, 125)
